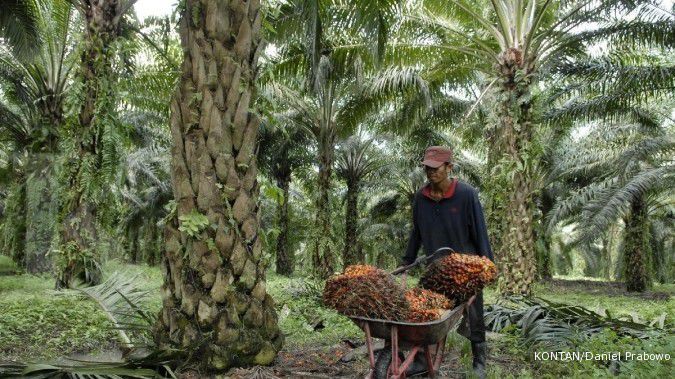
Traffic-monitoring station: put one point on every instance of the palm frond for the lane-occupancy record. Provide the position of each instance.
(544, 322)
(636, 33)
(121, 300)
(607, 208)
(19, 26)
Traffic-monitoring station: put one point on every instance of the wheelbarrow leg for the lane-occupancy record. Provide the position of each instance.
(369, 344)
(430, 362)
(409, 360)
(394, 353)
(440, 351)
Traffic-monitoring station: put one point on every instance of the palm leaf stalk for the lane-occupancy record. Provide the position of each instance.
(122, 302)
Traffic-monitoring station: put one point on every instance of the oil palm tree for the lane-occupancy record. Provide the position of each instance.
(321, 113)
(283, 150)
(507, 46)
(146, 194)
(357, 160)
(89, 155)
(627, 88)
(144, 175)
(33, 112)
(321, 45)
(620, 174)
(215, 303)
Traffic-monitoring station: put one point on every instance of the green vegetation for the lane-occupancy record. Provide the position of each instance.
(37, 322)
(40, 323)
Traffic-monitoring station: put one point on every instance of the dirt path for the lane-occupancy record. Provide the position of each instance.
(328, 362)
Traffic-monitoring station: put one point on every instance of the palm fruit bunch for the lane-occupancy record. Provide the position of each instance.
(459, 276)
(366, 291)
(426, 305)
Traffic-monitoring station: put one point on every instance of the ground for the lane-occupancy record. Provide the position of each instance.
(38, 323)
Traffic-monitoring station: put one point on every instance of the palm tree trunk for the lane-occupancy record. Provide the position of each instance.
(636, 247)
(512, 186)
(284, 262)
(215, 305)
(40, 215)
(14, 223)
(322, 255)
(78, 234)
(150, 250)
(350, 252)
(543, 237)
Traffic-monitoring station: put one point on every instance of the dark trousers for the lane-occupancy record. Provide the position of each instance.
(474, 321)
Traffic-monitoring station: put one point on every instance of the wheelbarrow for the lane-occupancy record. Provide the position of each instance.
(426, 338)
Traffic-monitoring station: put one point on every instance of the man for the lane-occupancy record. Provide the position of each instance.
(447, 213)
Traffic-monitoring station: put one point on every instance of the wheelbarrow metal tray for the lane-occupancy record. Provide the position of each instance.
(417, 333)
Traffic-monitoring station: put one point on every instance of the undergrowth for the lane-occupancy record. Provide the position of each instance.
(302, 318)
(37, 322)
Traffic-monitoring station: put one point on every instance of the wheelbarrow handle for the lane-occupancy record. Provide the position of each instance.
(424, 260)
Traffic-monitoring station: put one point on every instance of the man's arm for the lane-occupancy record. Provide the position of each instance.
(415, 239)
(478, 229)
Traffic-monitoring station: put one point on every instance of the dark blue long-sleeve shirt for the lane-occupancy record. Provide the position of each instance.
(455, 221)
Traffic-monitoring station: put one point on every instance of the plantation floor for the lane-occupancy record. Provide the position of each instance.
(38, 323)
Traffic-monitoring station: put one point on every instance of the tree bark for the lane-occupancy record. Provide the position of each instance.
(351, 251)
(285, 261)
(215, 305)
(636, 245)
(511, 183)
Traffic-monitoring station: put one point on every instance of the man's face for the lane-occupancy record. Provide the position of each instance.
(437, 175)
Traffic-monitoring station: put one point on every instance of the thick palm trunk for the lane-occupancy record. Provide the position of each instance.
(78, 234)
(350, 252)
(511, 183)
(215, 305)
(636, 245)
(322, 254)
(284, 261)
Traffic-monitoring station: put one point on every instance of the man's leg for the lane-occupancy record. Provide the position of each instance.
(477, 335)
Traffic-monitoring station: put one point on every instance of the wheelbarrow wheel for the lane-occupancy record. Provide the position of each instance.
(383, 362)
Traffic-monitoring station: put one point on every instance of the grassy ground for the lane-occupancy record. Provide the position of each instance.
(39, 323)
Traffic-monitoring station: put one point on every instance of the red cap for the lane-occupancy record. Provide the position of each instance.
(435, 156)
